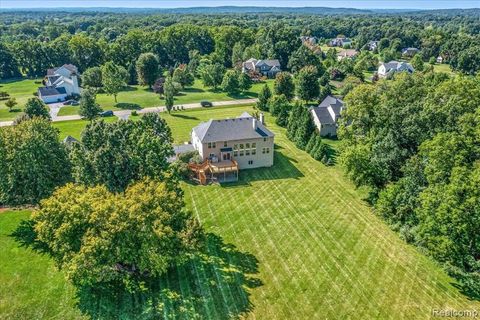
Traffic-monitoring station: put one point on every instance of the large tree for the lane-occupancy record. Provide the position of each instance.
(89, 108)
(307, 85)
(114, 78)
(36, 108)
(230, 82)
(33, 162)
(263, 97)
(92, 77)
(148, 69)
(100, 238)
(284, 85)
(86, 51)
(115, 154)
(212, 75)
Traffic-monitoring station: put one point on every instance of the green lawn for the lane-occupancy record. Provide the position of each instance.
(31, 286)
(74, 128)
(22, 90)
(314, 250)
(443, 68)
(146, 98)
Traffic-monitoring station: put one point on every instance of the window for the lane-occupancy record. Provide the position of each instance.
(263, 150)
(214, 145)
(235, 147)
(212, 155)
(247, 146)
(241, 146)
(250, 162)
(264, 139)
(247, 152)
(241, 153)
(254, 152)
(209, 145)
(225, 144)
(268, 150)
(235, 153)
(254, 145)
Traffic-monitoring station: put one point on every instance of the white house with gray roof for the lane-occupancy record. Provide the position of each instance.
(389, 68)
(244, 139)
(59, 84)
(326, 116)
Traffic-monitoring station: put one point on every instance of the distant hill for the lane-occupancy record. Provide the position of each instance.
(245, 10)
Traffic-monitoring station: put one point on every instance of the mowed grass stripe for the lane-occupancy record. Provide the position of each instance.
(363, 260)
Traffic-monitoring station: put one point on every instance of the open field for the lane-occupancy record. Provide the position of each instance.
(21, 90)
(311, 249)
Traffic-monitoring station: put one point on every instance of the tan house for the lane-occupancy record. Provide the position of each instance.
(326, 116)
(229, 145)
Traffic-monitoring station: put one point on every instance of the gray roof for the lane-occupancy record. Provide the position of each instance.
(69, 140)
(270, 63)
(243, 127)
(398, 66)
(322, 113)
(183, 148)
(51, 91)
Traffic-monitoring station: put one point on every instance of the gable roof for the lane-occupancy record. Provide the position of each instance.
(69, 140)
(323, 113)
(270, 63)
(51, 91)
(398, 66)
(243, 127)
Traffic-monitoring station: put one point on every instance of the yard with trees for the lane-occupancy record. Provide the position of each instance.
(249, 270)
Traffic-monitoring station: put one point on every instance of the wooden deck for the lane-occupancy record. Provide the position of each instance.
(222, 171)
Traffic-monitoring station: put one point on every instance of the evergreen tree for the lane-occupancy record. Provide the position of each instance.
(284, 85)
(305, 129)
(263, 98)
(293, 120)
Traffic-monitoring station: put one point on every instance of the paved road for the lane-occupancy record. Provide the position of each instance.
(124, 114)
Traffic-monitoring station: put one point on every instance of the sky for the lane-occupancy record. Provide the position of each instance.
(362, 4)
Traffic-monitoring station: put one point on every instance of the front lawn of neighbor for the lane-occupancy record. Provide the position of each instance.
(74, 128)
(22, 90)
(310, 246)
(146, 98)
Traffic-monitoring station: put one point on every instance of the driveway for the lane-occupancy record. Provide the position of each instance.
(54, 109)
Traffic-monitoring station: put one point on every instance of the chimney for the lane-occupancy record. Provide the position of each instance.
(262, 118)
(254, 122)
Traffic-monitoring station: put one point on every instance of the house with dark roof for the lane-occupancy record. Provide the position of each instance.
(410, 52)
(267, 68)
(388, 68)
(340, 42)
(372, 45)
(59, 83)
(326, 116)
(244, 140)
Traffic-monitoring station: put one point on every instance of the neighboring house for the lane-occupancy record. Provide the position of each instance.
(267, 68)
(340, 42)
(391, 67)
(308, 40)
(59, 84)
(326, 116)
(372, 45)
(346, 54)
(244, 139)
(439, 59)
(69, 140)
(410, 52)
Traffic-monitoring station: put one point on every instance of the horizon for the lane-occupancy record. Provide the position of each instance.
(157, 4)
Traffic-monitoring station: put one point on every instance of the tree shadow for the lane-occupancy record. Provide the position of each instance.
(130, 88)
(182, 116)
(128, 106)
(193, 90)
(212, 285)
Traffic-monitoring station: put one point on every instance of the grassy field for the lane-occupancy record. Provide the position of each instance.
(313, 248)
(145, 98)
(21, 90)
(74, 128)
